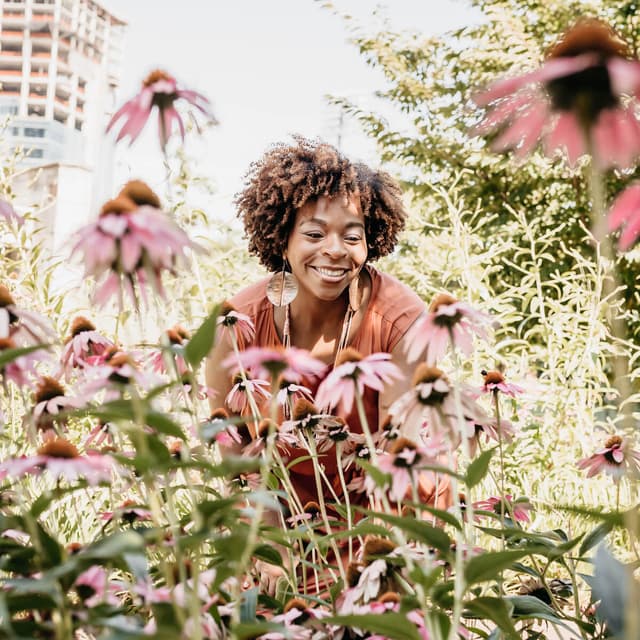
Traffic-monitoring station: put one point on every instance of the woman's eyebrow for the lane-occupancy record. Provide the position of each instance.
(323, 223)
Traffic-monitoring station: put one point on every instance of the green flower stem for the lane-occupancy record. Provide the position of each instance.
(345, 493)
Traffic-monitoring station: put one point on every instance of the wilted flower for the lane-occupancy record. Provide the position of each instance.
(24, 327)
(83, 342)
(494, 381)
(8, 214)
(264, 363)
(131, 244)
(573, 102)
(447, 321)
(616, 458)
(62, 460)
(159, 89)
(352, 374)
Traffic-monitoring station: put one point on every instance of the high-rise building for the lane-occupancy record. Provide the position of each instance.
(59, 69)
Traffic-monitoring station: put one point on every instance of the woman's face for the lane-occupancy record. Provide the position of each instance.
(327, 246)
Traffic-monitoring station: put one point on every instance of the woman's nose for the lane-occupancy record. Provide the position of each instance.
(334, 247)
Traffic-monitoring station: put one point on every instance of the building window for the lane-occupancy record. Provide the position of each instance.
(11, 109)
(15, 131)
(31, 132)
(36, 153)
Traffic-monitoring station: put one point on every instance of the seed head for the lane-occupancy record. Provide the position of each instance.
(425, 373)
(80, 324)
(141, 194)
(119, 205)
(348, 355)
(155, 76)
(58, 448)
(5, 296)
(47, 389)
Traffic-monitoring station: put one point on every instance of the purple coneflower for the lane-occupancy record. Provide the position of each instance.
(447, 321)
(231, 321)
(575, 102)
(62, 460)
(615, 459)
(237, 399)
(95, 587)
(161, 90)
(83, 342)
(132, 243)
(272, 363)
(177, 336)
(625, 214)
(494, 381)
(352, 374)
(518, 510)
(129, 511)
(24, 327)
(20, 368)
(50, 401)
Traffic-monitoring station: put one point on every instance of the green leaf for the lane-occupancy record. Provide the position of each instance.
(268, 554)
(496, 609)
(9, 355)
(249, 605)
(392, 625)
(419, 530)
(593, 538)
(114, 546)
(250, 630)
(488, 566)
(478, 468)
(532, 607)
(202, 340)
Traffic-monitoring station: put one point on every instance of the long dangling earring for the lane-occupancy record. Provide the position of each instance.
(355, 295)
(282, 288)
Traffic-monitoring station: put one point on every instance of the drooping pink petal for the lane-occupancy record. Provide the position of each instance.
(625, 207)
(566, 135)
(624, 75)
(525, 131)
(130, 252)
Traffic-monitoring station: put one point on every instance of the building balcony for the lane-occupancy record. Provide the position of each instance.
(11, 35)
(41, 54)
(12, 73)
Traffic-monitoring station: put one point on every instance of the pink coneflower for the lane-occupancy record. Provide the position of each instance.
(94, 587)
(494, 381)
(290, 392)
(176, 337)
(264, 363)
(579, 92)
(131, 244)
(352, 374)
(219, 428)
(83, 342)
(22, 326)
(305, 417)
(129, 511)
(447, 321)
(237, 399)
(161, 90)
(20, 368)
(518, 510)
(8, 214)
(284, 437)
(50, 401)
(625, 214)
(402, 463)
(430, 404)
(232, 322)
(505, 432)
(616, 458)
(62, 460)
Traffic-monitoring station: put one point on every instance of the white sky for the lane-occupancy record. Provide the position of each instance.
(266, 65)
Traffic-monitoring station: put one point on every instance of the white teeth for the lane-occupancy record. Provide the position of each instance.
(332, 273)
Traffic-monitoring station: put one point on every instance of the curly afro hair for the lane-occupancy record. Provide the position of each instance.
(288, 176)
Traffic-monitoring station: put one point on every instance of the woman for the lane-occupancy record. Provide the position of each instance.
(317, 221)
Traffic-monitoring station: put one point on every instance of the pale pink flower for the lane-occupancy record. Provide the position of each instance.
(160, 90)
(625, 214)
(430, 404)
(20, 368)
(24, 327)
(51, 404)
(62, 460)
(447, 322)
(518, 510)
(95, 587)
(128, 512)
(232, 322)
(221, 429)
(314, 424)
(352, 375)
(505, 432)
(83, 342)
(237, 399)
(131, 245)
(587, 85)
(263, 362)
(494, 381)
(176, 337)
(8, 214)
(289, 393)
(284, 436)
(616, 459)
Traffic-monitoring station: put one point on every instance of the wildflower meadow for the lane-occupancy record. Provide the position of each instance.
(499, 501)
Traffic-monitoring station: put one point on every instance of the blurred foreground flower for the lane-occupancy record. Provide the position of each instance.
(159, 89)
(616, 458)
(518, 510)
(447, 321)
(22, 326)
(8, 214)
(573, 102)
(625, 214)
(132, 243)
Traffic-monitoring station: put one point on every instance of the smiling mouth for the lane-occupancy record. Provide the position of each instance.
(330, 274)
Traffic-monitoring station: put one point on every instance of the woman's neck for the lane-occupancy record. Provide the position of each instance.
(318, 317)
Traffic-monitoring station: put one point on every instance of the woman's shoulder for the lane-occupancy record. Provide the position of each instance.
(252, 300)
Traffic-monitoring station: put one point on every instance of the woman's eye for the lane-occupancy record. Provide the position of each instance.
(353, 238)
(313, 235)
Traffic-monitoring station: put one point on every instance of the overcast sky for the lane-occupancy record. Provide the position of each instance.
(266, 65)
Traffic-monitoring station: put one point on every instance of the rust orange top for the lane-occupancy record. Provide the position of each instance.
(391, 310)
